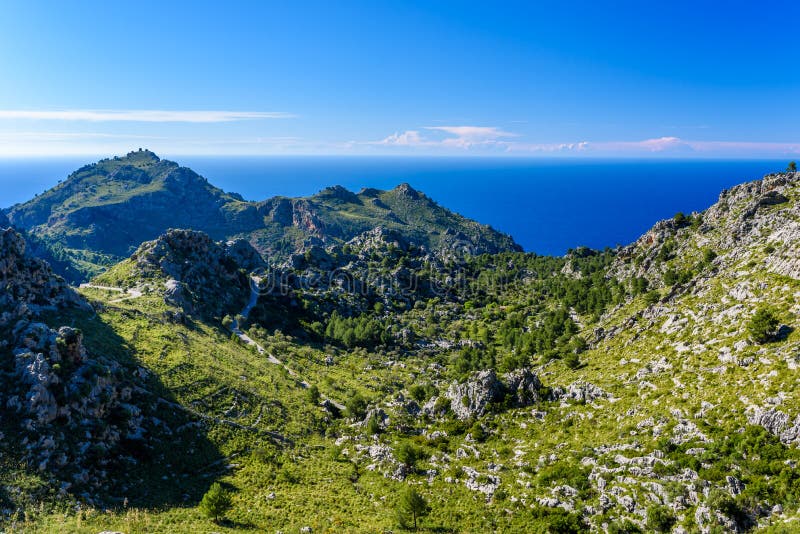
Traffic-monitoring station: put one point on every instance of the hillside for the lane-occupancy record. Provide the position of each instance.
(645, 389)
(102, 212)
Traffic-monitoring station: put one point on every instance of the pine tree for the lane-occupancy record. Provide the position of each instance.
(411, 507)
(763, 325)
(215, 502)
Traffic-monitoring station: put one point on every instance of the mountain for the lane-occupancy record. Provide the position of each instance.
(79, 413)
(651, 388)
(102, 212)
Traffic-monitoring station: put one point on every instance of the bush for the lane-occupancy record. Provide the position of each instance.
(763, 326)
(356, 406)
(557, 521)
(572, 360)
(624, 527)
(215, 502)
(313, 395)
(373, 426)
(660, 519)
(408, 455)
(477, 432)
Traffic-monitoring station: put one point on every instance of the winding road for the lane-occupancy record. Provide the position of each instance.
(254, 294)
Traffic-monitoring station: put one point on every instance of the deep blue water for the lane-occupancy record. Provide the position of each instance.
(548, 206)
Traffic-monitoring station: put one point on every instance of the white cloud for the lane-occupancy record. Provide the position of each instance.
(461, 137)
(407, 138)
(129, 115)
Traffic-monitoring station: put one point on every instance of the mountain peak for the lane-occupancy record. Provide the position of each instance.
(142, 154)
(405, 189)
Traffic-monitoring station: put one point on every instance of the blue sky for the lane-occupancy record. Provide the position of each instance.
(638, 79)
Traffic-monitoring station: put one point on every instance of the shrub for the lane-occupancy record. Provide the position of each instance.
(215, 502)
(624, 527)
(356, 405)
(651, 297)
(373, 426)
(557, 521)
(660, 519)
(477, 432)
(408, 455)
(572, 360)
(411, 507)
(763, 325)
(313, 395)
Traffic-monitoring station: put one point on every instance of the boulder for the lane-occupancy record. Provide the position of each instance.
(473, 397)
(524, 385)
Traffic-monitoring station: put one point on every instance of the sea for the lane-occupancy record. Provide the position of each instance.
(547, 205)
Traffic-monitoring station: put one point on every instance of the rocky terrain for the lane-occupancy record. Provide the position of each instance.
(66, 409)
(645, 389)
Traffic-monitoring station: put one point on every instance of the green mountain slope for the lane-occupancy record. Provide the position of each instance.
(101, 213)
(646, 389)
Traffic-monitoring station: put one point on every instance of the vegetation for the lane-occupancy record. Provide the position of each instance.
(411, 507)
(763, 326)
(216, 502)
(647, 391)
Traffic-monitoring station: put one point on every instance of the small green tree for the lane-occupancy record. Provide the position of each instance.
(572, 360)
(215, 502)
(356, 405)
(408, 455)
(411, 507)
(660, 519)
(313, 394)
(373, 426)
(792, 167)
(763, 325)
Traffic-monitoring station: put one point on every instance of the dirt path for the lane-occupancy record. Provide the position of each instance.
(261, 350)
(132, 293)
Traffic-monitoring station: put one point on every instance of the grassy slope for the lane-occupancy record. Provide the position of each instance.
(682, 384)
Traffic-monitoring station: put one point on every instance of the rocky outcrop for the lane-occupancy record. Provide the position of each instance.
(760, 212)
(28, 285)
(71, 408)
(777, 423)
(62, 391)
(474, 397)
(580, 392)
(203, 277)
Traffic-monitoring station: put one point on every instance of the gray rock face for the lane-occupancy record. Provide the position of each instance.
(474, 397)
(579, 391)
(524, 385)
(28, 284)
(72, 408)
(204, 277)
(777, 423)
